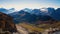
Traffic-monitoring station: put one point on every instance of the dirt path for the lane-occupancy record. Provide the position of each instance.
(21, 30)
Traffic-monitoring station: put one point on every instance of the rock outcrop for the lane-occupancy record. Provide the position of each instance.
(6, 23)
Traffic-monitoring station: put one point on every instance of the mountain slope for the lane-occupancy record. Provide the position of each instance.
(6, 23)
(3, 10)
(56, 14)
(22, 16)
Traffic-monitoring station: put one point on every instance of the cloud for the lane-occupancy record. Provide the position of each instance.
(20, 4)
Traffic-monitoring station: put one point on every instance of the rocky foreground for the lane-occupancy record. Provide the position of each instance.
(24, 28)
(6, 24)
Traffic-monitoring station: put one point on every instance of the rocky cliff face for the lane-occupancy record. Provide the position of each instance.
(6, 23)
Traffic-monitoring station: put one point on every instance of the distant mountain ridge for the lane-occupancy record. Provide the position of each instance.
(7, 11)
(35, 15)
(3, 10)
(23, 16)
(32, 15)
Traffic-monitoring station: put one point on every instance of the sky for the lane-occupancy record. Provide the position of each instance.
(20, 4)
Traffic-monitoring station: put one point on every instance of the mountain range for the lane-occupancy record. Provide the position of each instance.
(7, 11)
(33, 15)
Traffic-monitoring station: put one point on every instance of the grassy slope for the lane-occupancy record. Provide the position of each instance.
(39, 28)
